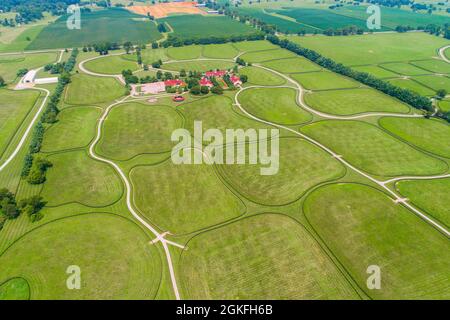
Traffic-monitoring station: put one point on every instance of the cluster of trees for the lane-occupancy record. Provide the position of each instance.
(22, 72)
(173, 41)
(2, 82)
(54, 68)
(129, 77)
(405, 95)
(162, 27)
(157, 64)
(11, 209)
(34, 169)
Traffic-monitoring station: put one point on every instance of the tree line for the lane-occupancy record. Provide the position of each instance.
(35, 167)
(415, 100)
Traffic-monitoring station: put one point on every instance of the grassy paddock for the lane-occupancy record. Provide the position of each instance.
(185, 53)
(429, 195)
(404, 68)
(301, 166)
(354, 101)
(75, 177)
(224, 51)
(112, 252)
(183, 198)
(364, 227)
(199, 65)
(413, 86)
(87, 90)
(110, 65)
(14, 106)
(324, 81)
(134, 128)
(75, 129)
(275, 105)
(260, 56)
(267, 256)
(427, 134)
(249, 46)
(15, 289)
(291, 65)
(374, 48)
(258, 76)
(372, 150)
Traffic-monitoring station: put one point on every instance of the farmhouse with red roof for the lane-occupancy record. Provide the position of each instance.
(235, 80)
(174, 83)
(205, 82)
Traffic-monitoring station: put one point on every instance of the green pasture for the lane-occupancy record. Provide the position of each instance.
(275, 105)
(86, 90)
(364, 227)
(427, 134)
(220, 51)
(258, 45)
(324, 81)
(14, 289)
(267, 55)
(413, 86)
(111, 65)
(134, 128)
(75, 177)
(114, 256)
(10, 64)
(434, 82)
(376, 71)
(183, 198)
(354, 101)
(291, 65)
(428, 195)
(372, 150)
(261, 77)
(268, 256)
(404, 68)
(75, 129)
(185, 53)
(301, 166)
(434, 65)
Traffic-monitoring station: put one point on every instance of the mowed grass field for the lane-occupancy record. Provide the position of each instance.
(10, 64)
(427, 134)
(75, 177)
(75, 129)
(185, 53)
(353, 101)
(324, 81)
(220, 51)
(199, 65)
(267, 256)
(87, 90)
(301, 166)
(135, 128)
(412, 85)
(112, 252)
(372, 150)
(266, 55)
(259, 76)
(15, 289)
(375, 48)
(428, 195)
(363, 227)
(216, 112)
(291, 65)
(109, 25)
(111, 65)
(199, 26)
(14, 106)
(275, 105)
(183, 198)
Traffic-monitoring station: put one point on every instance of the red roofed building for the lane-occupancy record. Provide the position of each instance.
(174, 83)
(218, 73)
(205, 82)
(235, 80)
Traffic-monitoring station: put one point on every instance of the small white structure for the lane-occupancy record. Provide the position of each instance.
(29, 77)
(46, 80)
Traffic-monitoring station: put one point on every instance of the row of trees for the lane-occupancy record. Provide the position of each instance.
(405, 95)
(173, 41)
(34, 168)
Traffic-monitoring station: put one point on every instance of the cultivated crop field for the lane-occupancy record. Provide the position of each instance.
(362, 178)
